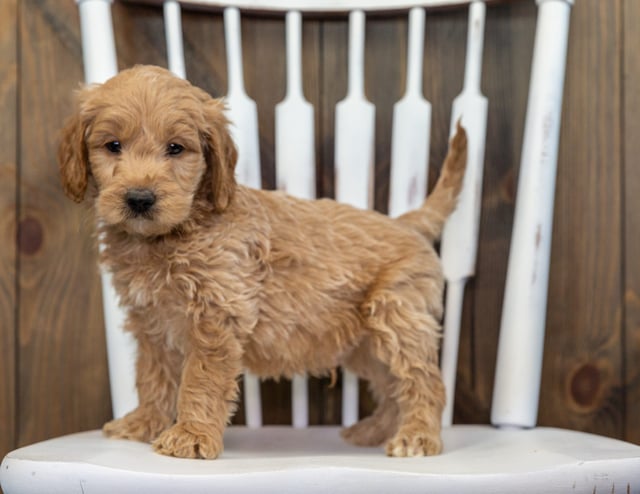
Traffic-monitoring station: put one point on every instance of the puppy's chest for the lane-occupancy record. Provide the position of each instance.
(186, 282)
(141, 289)
(159, 285)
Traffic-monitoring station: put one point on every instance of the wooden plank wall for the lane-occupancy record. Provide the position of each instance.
(585, 364)
(62, 381)
(630, 383)
(8, 166)
(53, 373)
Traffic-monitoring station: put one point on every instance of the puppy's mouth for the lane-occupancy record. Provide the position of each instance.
(145, 224)
(130, 215)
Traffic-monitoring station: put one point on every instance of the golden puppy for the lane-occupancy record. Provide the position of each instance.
(216, 277)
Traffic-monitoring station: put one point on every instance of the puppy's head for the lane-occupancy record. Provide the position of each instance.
(151, 144)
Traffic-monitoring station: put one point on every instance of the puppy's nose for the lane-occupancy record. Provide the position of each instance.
(140, 200)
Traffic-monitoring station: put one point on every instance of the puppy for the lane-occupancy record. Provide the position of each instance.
(217, 278)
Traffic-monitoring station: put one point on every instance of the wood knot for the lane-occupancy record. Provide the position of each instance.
(30, 236)
(585, 385)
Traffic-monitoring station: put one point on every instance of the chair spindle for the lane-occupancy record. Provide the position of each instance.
(460, 237)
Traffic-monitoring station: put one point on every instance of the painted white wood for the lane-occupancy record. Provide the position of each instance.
(300, 401)
(316, 460)
(355, 126)
(354, 148)
(411, 131)
(326, 6)
(450, 344)
(121, 352)
(519, 362)
(295, 162)
(99, 49)
(242, 113)
(460, 236)
(295, 142)
(252, 400)
(173, 35)
(100, 64)
(350, 398)
(241, 109)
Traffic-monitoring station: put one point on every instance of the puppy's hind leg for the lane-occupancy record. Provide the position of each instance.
(375, 429)
(383, 423)
(404, 336)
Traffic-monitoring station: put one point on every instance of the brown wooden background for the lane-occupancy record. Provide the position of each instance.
(53, 377)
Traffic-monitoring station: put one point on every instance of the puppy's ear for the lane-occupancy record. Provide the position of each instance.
(73, 157)
(221, 154)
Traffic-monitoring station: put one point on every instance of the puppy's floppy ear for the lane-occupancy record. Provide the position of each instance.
(73, 159)
(220, 152)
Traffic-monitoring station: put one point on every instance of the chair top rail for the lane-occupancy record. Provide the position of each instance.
(319, 6)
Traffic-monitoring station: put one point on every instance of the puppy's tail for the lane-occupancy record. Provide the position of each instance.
(429, 219)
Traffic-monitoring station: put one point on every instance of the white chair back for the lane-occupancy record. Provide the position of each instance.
(476, 458)
(522, 331)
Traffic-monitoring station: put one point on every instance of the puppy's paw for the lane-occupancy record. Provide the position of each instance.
(139, 425)
(367, 432)
(414, 444)
(189, 440)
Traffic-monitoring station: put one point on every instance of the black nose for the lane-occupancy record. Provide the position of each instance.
(140, 200)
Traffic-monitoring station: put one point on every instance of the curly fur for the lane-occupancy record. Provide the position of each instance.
(217, 277)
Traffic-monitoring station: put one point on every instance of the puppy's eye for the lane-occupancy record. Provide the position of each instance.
(174, 149)
(113, 147)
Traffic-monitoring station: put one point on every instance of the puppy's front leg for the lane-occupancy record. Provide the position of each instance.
(157, 377)
(207, 396)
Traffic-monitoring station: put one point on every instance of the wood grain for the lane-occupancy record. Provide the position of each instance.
(62, 364)
(333, 77)
(582, 380)
(8, 203)
(385, 49)
(591, 374)
(263, 45)
(631, 215)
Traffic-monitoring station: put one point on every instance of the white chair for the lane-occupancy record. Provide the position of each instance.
(512, 455)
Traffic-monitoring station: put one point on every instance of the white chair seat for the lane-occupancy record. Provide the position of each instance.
(316, 459)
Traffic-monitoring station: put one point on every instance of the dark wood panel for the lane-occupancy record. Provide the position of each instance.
(8, 163)
(591, 375)
(631, 108)
(139, 35)
(582, 380)
(385, 49)
(334, 88)
(63, 381)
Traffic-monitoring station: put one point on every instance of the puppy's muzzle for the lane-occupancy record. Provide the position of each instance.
(140, 201)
